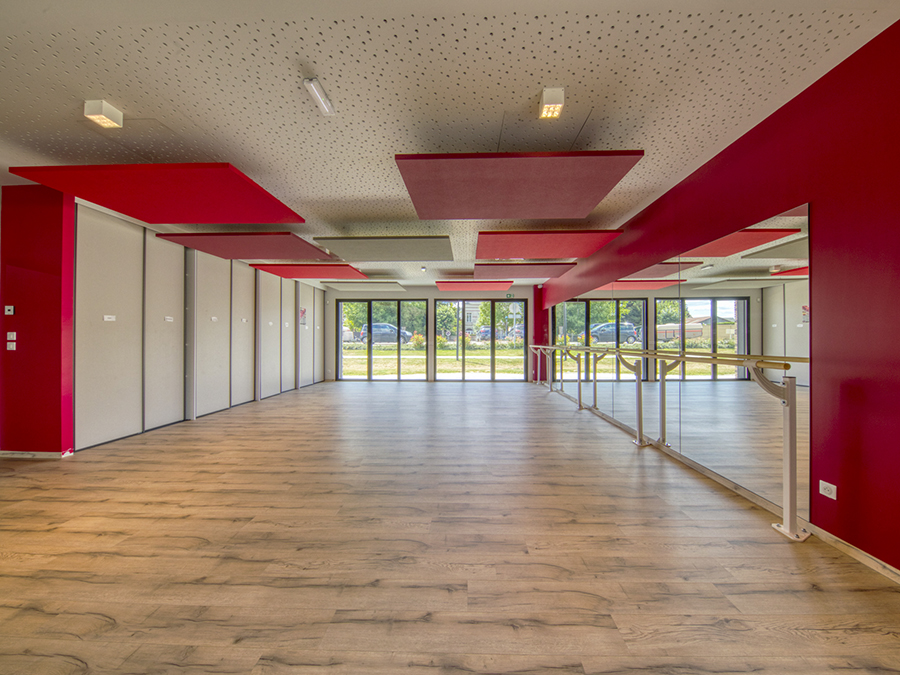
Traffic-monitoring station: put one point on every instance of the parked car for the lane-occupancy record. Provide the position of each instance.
(606, 332)
(484, 333)
(517, 332)
(672, 331)
(384, 332)
(347, 335)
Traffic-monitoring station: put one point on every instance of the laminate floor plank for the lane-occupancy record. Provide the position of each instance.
(420, 528)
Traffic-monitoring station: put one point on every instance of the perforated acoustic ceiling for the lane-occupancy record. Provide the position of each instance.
(207, 81)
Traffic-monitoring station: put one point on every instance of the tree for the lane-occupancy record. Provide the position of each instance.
(668, 311)
(446, 315)
(506, 314)
(354, 315)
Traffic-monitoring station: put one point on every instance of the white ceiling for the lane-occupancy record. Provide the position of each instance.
(221, 81)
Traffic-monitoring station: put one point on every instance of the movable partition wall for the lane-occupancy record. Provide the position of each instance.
(164, 333)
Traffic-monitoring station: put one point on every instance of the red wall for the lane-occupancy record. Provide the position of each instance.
(835, 146)
(37, 277)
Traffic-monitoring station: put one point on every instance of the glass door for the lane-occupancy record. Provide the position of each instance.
(480, 340)
(449, 347)
(508, 345)
(414, 324)
(477, 339)
(353, 357)
(385, 339)
(382, 340)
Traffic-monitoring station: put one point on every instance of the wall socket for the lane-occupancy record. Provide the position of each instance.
(827, 489)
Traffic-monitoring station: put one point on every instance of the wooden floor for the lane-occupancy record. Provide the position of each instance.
(357, 528)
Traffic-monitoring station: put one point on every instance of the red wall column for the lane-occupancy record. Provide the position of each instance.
(540, 334)
(37, 265)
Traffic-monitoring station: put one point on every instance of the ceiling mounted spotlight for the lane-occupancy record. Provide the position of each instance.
(707, 267)
(319, 95)
(552, 103)
(103, 114)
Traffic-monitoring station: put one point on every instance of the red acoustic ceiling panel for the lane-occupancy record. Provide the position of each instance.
(662, 270)
(496, 185)
(522, 270)
(474, 285)
(796, 272)
(250, 245)
(541, 245)
(167, 193)
(639, 285)
(312, 271)
(737, 242)
(802, 210)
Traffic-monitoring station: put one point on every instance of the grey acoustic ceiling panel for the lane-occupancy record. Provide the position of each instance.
(797, 250)
(367, 287)
(385, 249)
(737, 284)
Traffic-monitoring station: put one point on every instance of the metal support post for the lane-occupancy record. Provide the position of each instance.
(788, 526)
(664, 369)
(639, 403)
(562, 377)
(662, 403)
(577, 358)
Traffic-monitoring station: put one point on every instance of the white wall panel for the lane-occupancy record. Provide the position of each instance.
(270, 334)
(163, 331)
(796, 319)
(288, 334)
(306, 319)
(108, 328)
(213, 333)
(243, 333)
(319, 348)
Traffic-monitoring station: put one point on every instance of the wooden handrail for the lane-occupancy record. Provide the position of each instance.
(744, 357)
(767, 362)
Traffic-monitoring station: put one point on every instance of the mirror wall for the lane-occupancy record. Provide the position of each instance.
(746, 294)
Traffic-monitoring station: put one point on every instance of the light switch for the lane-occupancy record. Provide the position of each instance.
(9, 310)
(10, 336)
(243, 320)
(287, 325)
(170, 319)
(214, 318)
(109, 317)
(11, 346)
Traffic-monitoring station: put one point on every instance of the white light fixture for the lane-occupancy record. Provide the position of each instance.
(552, 103)
(423, 268)
(319, 95)
(707, 267)
(104, 114)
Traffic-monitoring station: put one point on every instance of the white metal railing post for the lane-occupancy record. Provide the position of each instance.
(577, 358)
(639, 402)
(662, 401)
(788, 526)
(596, 357)
(562, 378)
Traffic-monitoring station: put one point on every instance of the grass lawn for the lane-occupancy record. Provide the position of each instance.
(384, 362)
